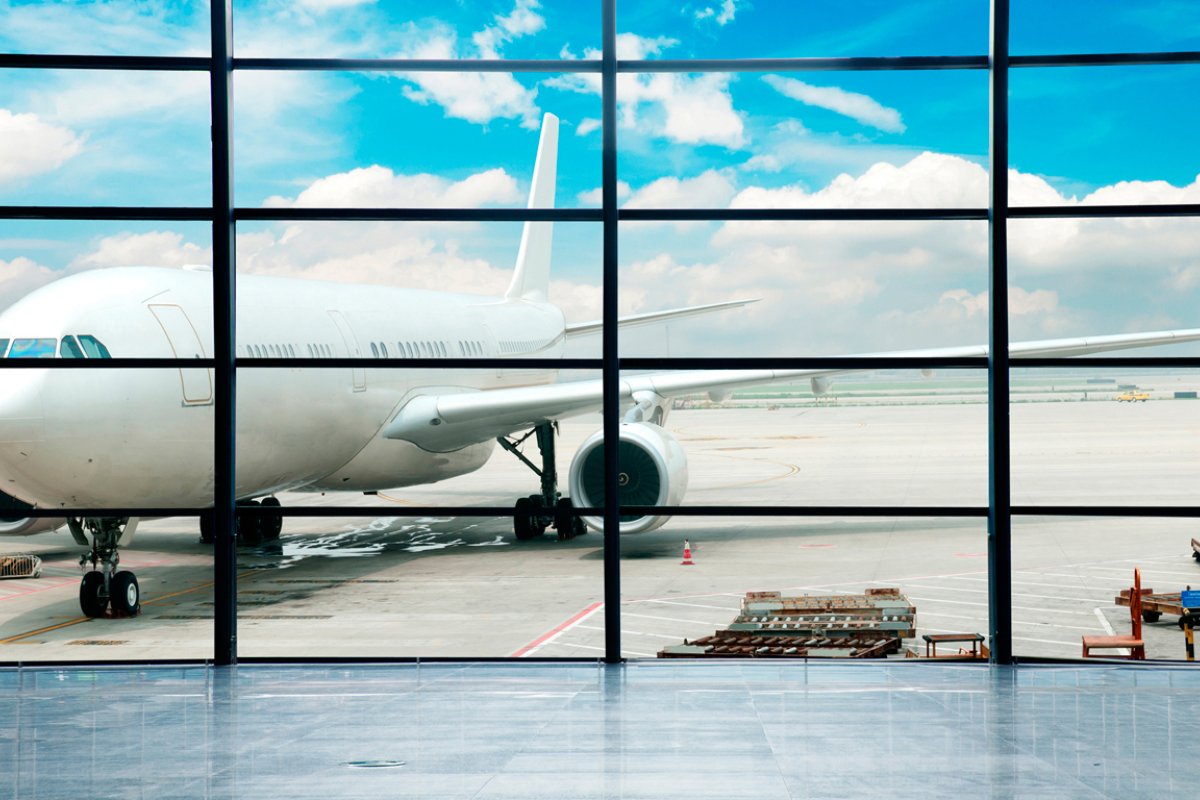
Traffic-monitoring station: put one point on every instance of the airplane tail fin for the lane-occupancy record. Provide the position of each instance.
(531, 281)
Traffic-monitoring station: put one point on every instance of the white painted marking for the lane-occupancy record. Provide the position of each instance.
(1104, 622)
(984, 605)
(676, 619)
(734, 609)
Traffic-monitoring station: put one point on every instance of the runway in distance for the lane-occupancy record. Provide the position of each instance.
(142, 438)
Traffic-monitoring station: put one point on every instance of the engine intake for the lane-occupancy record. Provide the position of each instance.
(11, 523)
(653, 472)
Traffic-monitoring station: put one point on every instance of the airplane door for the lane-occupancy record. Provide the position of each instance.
(185, 343)
(358, 375)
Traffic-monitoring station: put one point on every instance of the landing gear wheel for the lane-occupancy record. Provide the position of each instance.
(527, 523)
(207, 535)
(125, 595)
(92, 599)
(272, 524)
(566, 524)
(249, 526)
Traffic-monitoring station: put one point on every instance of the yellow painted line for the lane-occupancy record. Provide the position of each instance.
(160, 598)
(398, 501)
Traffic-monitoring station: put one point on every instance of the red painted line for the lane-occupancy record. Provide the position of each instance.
(548, 635)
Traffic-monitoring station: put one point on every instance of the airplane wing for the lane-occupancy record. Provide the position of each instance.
(447, 422)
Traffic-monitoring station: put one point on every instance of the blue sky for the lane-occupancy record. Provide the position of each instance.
(1112, 134)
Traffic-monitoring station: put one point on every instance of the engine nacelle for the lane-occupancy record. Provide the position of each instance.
(653, 472)
(11, 524)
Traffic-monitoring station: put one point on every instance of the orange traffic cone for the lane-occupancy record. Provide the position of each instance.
(687, 554)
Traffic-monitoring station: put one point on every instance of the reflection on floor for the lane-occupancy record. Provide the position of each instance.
(650, 730)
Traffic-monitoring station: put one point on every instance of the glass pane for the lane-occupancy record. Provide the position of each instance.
(937, 569)
(1069, 573)
(816, 288)
(93, 137)
(1103, 135)
(413, 29)
(123, 27)
(1101, 26)
(1094, 277)
(803, 139)
(784, 28)
(420, 585)
(1104, 436)
(459, 140)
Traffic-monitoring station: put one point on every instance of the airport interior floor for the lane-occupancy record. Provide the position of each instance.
(638, 730)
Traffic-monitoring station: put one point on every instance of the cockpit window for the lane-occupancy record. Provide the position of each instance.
(33, 348)
(69, 348)
(93, 347)
(3, 347)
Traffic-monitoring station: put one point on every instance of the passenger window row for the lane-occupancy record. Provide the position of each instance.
(520, 346)
(426, 349)
(78, 346)
(285, 351)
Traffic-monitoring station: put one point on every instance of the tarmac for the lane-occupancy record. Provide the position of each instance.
(387, 585)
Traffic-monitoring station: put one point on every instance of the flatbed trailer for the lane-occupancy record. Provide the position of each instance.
(1154, 605)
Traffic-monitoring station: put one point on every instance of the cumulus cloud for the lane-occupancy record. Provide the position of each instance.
(29, 146)
(689, 109)
(722, 15)
(594, 197)
(478, 97)
(858, 107)
(379, 186)
(20, 276)
(587, 126)
(154, 249)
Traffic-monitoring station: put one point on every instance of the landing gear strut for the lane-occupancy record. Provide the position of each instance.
(537, 512)
(104, 586)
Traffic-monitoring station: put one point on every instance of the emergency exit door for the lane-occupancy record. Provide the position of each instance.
(196, 384)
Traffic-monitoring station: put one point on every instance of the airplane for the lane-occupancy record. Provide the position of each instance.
(143, 437)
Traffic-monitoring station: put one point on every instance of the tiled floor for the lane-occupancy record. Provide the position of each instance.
(653, 730)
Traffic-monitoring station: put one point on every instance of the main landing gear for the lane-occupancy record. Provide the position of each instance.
(252, 529)
(537, 512)
(104, 586)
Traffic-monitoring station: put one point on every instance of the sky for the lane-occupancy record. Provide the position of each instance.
(745, 140)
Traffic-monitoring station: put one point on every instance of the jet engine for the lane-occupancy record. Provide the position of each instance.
(652, 472)
(11, 523)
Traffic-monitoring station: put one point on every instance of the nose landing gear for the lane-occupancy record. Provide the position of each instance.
(104, 586)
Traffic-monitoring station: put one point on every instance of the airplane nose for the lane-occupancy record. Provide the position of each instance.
(21, 414)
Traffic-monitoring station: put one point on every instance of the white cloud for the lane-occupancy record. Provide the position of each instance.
(478, 97)
(587, 126)
(727, 11)
(154, 249)
(1021, 302)
(329, 5)
(689, 109)
(30, 146)
(379, 186)
(20, 276)
(858, 107)
(710, 189)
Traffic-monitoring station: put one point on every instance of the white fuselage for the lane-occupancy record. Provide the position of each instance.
(124, 438)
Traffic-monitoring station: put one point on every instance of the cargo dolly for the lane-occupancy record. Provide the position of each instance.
(1153, 605)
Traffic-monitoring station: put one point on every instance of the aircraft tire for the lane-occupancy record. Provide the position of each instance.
(92, 600)
(525, 524)
(566, 525)
(207, 535)
(271, 525)
(125, 594)
(249, 527)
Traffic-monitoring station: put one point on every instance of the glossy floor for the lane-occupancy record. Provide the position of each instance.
(652, 730)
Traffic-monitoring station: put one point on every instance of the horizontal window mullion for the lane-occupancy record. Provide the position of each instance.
(417, 214)
(806, 511)
(851, 63)
(1106, 511)
(513, 363)
(416, 64)
(127, 511)
(1105, 211)
(105, 62)
(799, 214)
(829, 362)
(107, 363)
(1106, 59)
(89, 213)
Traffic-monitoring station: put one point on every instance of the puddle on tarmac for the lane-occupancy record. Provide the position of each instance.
(380, 535)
